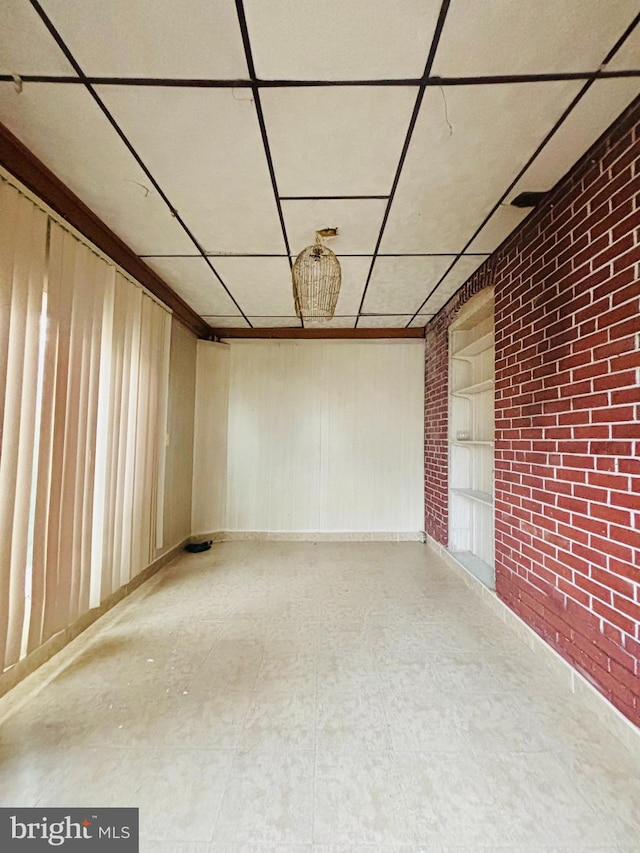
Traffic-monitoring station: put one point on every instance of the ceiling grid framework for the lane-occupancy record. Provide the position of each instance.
(216, 138)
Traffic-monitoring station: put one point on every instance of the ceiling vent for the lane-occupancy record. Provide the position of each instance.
(528, 199)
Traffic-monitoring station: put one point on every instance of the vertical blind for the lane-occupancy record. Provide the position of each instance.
(84, 355)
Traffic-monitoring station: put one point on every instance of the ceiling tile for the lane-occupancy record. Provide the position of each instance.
(358, 222)
(421, 320)
(276, 322)
(26, 47)
(599, 107)
(358, 40)
(338, 322)
(503, 37)
(260, 285)
(226, 322)
(337, 141)
(194, 281)
(399, 284)
(64, 128)
(628, 56)
(469, 143)
(463, 269)
(204, 148)
(499, 226)
(152, 38)
(384, 321)
(452, 282)
(354, 276)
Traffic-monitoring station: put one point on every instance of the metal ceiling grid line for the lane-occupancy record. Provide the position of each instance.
(584, 89)
(430, 254)
(287, 316)
(220, 255)
(333, 197)
(72, 60)
(421, 82)
(502, 79)
(244, 30)
(213, 83)
(444, 8)
(338, 254)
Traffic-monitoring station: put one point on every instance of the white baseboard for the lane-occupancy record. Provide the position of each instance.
(612, 719)
(311, 536)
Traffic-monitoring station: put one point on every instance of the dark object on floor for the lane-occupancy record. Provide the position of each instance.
(196, 547)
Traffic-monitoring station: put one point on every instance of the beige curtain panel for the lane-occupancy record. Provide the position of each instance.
(84, 361)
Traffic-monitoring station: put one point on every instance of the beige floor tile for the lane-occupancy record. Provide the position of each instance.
(604, 774)
(28, 772)
(447, 672)
(149, 846)
(500, 723)
(562, 721)
(520, 670)
(352, 718)
(198, 719)
(231, 665)
(358, 800)
(426, 721)
(283, 671)
(268, 800)
(368, 848)
(265, 697)
(539, 802)
(178, 791)
(280, 719)
(450, 801)
(260, 848)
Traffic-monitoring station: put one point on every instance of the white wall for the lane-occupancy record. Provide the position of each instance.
(210, 438)
(324, 436)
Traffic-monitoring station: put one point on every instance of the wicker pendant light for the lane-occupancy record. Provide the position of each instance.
(316, 278)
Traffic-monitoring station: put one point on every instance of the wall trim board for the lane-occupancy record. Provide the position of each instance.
(310, 536)
(584, 691)
(27, 168)
(16, 678)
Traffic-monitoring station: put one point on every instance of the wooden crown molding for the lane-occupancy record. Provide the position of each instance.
(319, 334)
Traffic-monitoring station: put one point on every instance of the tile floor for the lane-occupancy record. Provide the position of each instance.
(300, 697)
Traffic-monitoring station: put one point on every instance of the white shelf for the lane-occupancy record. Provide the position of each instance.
(481, 344)
(476, 567)
(474, 495)
(472, 412)
(476, 388)
(461, 443)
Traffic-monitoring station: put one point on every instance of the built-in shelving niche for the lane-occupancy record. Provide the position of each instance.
(471, 437)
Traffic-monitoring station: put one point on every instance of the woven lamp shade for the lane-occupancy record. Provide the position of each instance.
(316, 278)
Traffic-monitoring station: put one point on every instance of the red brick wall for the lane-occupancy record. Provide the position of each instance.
(567, 416)
(435, 435)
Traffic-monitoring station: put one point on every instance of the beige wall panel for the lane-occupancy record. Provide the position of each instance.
(325, 436)
(179, 465)
(210, 438)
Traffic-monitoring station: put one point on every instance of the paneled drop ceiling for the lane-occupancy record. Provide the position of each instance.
(215, 137)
